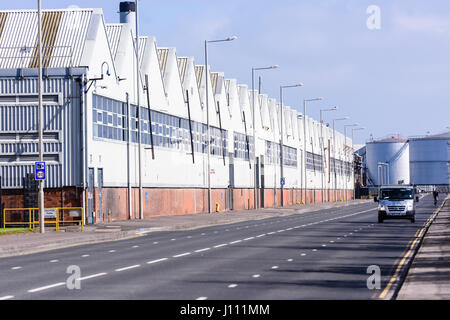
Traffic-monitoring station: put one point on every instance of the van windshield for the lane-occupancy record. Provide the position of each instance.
(396, 194)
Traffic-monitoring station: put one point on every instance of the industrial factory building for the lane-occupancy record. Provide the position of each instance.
(93, 125)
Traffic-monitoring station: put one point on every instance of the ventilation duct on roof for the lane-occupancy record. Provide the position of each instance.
(127, 11)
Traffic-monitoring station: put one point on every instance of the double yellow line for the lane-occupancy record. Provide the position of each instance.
(411, 247)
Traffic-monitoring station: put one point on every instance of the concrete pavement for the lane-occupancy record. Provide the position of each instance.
(27, 243)
(429, 275)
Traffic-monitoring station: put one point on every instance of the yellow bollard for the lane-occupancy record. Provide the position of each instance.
(217, 207)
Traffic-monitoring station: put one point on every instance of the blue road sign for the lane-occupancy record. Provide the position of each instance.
(283, 181)
(39, 170)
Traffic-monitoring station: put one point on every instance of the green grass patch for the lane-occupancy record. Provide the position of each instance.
(13, 230)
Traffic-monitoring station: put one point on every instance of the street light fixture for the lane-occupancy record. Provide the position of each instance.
(254, 130)
(322, 147)
(281, 140)
(345, 135)
(208, 142)
(304, 144)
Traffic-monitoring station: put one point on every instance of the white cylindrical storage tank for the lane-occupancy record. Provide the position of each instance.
(387, 161)
(429, 160)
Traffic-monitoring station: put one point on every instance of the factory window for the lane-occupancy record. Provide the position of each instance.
(110, 122)
(241, 148)
(273, 154)
(313, 162)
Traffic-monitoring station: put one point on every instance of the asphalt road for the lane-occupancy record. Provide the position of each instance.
(317, 255)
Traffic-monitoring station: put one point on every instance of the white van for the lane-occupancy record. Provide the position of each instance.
(396, 202)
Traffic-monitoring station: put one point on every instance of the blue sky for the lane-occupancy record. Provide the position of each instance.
(392, 80)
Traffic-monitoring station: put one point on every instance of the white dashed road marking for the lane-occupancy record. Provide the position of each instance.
(201, 250)
(221, 245)
(128, 268)
(157, 260)
(6, 297)
(47, 287)
(182, 255)
(93, 276)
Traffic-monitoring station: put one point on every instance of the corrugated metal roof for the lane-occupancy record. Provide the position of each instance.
(162, 56)
(142, 46)
(63, 36)
(114, 31)
(214, 78)
(199, 74)
(182, 64)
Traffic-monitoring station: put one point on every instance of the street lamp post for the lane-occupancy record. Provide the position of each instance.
(334, 155)
(254, 130)
(281, 140)
(304, 143)
(208, 142)
(40, 121)
(322, 151)
(345, 135)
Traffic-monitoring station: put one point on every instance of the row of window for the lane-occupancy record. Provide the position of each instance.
(341, 167)
(110, 122)
(314, 162)
(273, 154)
(243, 146)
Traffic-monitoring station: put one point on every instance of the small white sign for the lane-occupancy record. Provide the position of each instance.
(50, 213)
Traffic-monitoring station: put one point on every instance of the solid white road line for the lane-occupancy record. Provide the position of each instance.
(93, 276)
(261, 235)
(47, 287)
(201, 250)
(237, 241)
(157, 260)
(128, 268)
(250, 238)
(182, 254)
